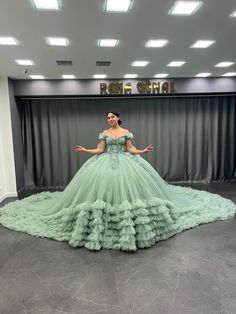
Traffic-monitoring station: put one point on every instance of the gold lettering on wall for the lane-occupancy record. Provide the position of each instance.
(115, 88)
(103, 88)
(128, 88)
(156, 87)
(165, 88)
(143, 87)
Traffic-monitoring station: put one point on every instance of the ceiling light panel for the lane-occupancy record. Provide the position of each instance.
(108, 42)
(161, 75)
(156, 43)
(130, 75)
(176, 63)
(68, 76)
(224, 64)
(57, 41)
(37, 76)
(117, 6)
(233, 14)
(229, 74)
(139, 63)
(185, 7)
(25, 62)
(8, 41)
(46, 4)
(99, 76)
(202, 44)
(203, 74)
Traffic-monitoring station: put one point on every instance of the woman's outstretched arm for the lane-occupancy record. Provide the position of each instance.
(131, 149)
(99, 150)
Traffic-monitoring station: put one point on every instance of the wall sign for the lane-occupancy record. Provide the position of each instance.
(141, 87)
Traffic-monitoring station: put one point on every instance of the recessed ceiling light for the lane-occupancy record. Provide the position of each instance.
(203, 74)
(139, 63)
(176, 63)
(224, 64)
(117, 6)
(233, 14)
(24, 62)
(46, 4)
(8, 41)
(229, 74)
(99, 76)
(107, 42)
(156, 43)
(130, 75)
(68, 76)
(57, 41)
(161, 75)
(202, 44)
(185, 7)
(37, 77)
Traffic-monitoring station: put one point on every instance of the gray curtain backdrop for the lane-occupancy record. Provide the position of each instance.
(193, 137)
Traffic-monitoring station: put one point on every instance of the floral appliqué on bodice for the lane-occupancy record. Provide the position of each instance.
(114, 147)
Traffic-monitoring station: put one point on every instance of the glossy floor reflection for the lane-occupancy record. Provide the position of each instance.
(191, 273)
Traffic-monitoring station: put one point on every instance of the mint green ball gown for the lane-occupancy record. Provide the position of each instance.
(116, 200)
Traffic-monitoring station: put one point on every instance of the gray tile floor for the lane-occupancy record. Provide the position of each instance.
(191, 273)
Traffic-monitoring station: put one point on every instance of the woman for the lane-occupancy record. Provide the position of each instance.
(116, 200)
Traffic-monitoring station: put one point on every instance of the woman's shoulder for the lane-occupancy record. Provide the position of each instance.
(125, 133)
(108, 131)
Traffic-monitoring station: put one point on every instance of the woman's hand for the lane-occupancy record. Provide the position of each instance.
(149, 148)
(80, 149)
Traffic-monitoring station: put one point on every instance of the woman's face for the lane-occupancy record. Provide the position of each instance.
(112, 119)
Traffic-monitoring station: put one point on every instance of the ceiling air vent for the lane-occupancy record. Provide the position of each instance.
(62, 62)
(103, 63)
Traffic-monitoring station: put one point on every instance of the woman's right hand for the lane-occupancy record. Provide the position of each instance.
(79, 148)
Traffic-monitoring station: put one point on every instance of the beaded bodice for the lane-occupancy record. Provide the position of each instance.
(115, 145)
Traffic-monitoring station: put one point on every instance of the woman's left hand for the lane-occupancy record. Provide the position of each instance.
(149, 148)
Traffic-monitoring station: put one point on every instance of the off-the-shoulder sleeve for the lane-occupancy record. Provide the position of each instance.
(102, 136)
(129, 135)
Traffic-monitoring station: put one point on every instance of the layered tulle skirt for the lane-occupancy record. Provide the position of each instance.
(115, 201)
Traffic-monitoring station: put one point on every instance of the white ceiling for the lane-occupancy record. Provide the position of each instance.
(83, 22)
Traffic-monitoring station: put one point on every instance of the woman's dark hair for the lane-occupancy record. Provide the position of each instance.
(116, 114)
